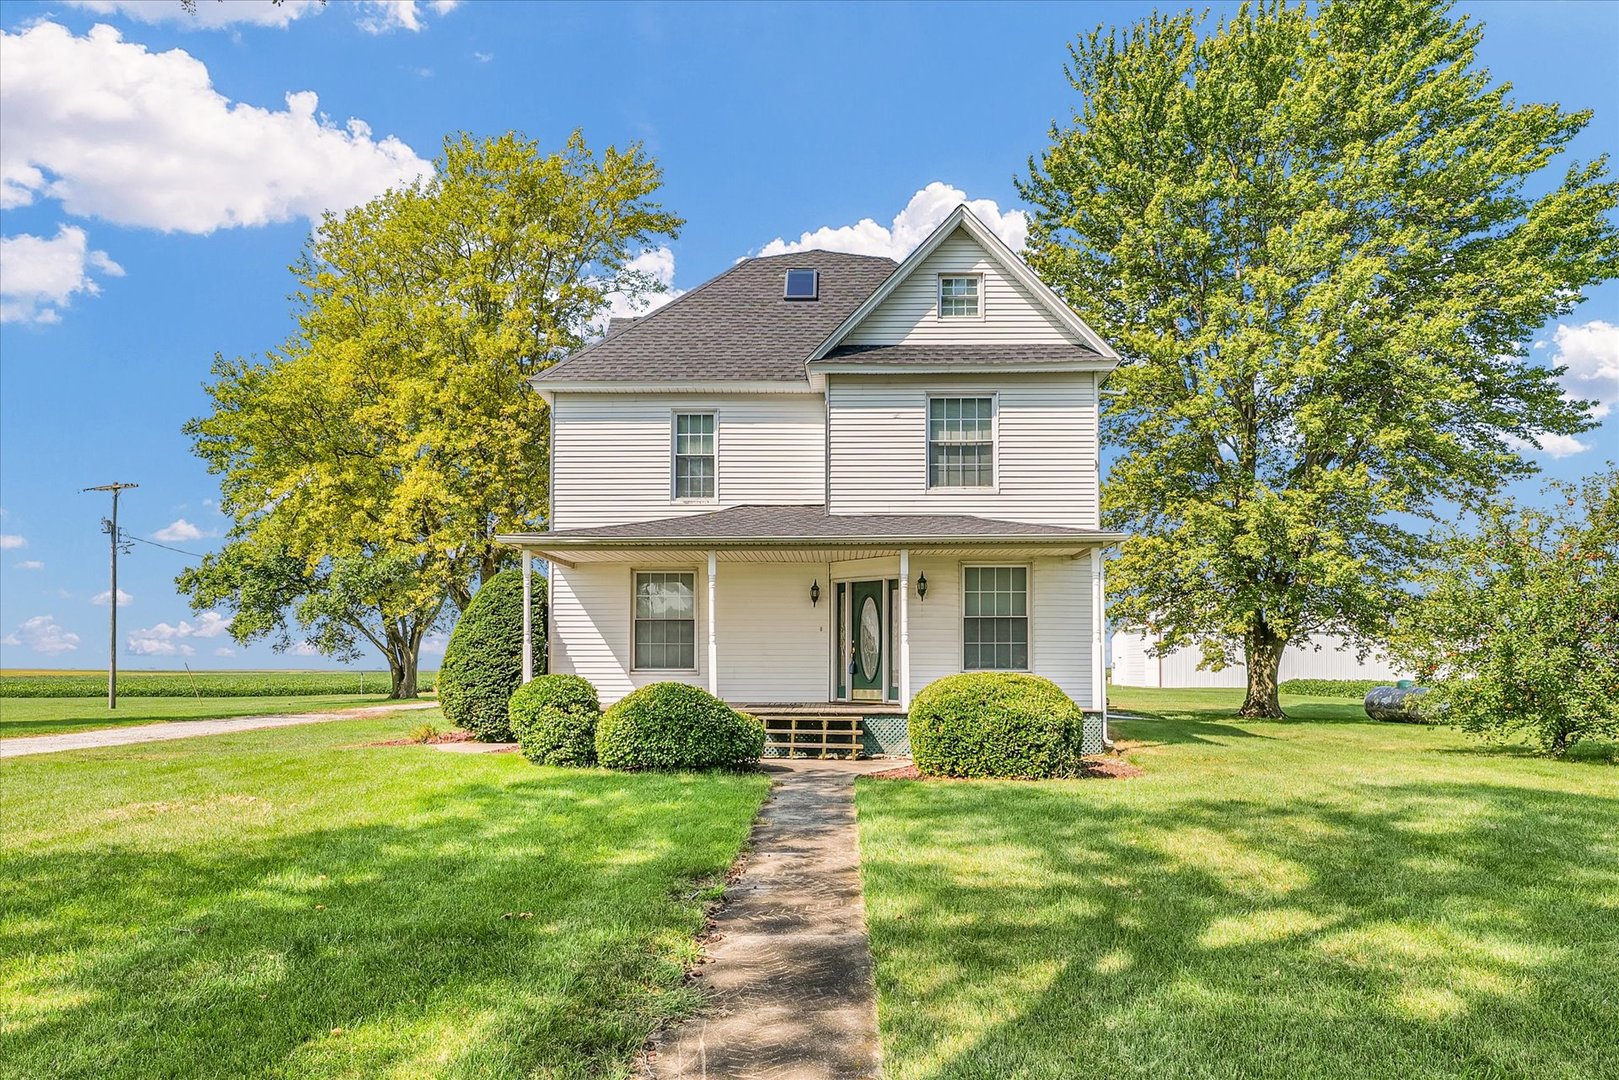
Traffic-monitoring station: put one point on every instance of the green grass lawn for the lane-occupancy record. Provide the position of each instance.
(1331, 898)
(296, 903)
(57, 716)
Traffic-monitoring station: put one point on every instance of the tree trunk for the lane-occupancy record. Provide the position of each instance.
(402, 662)
(1263, 652)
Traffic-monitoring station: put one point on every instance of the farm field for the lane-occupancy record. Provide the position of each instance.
(303, 902)
(1319, 897)
(39, 683)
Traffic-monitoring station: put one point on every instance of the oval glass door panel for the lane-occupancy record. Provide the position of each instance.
(871, 638)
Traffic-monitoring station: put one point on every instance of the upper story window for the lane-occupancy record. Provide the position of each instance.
(802, 285)
(694, 456)
(961, 442)
(666, 621)
(960, 296)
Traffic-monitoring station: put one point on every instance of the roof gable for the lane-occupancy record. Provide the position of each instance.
(1046, 319)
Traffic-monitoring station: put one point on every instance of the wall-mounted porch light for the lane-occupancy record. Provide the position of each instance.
(815, 593)
(922, 586)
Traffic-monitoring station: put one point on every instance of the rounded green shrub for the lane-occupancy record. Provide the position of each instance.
(673, 725)
(995, 723)
(554, 720)
(483, 662)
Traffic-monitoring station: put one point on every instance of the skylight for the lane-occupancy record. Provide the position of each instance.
(803, 285)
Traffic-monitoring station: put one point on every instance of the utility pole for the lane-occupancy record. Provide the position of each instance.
(110, 527)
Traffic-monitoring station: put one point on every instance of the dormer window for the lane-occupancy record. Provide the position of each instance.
(802, 285)
(960, 296)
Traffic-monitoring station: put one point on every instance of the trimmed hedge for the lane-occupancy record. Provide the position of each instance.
(1357, 688)
(673, 725)
(995, 724)
(554, 719)
(483, 662)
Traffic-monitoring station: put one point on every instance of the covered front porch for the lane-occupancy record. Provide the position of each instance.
(789, 610)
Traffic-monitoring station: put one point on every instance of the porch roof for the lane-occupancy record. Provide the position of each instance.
(805, 533)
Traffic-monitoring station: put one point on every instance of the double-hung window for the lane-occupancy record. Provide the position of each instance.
(694, 456)
(666, 621)
(960, 296)
(995, 618)
(961, 442)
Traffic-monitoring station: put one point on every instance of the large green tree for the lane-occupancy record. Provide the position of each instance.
(397, 422)
(1322, 237)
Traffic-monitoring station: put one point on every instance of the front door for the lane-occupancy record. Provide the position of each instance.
(866, 645)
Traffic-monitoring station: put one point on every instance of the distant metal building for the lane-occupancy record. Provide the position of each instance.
(1321, 657)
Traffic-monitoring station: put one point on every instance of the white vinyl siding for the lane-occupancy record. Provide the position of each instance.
(694, 456)
(612, 454)
(772, 643)
(1008, 313)
(665, 621)
(1045, 447)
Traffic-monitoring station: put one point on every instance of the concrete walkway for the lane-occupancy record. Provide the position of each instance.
(184, 729)
(791, 988)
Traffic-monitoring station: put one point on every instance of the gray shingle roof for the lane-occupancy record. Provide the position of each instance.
(811, 524)
(968, 356)
(735, 326)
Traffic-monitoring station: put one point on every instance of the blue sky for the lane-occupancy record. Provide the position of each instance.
(157, 179)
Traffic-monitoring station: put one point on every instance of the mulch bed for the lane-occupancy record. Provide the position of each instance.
(442, 737)
(1107, 768)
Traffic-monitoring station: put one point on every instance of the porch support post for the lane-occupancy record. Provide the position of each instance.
(1099, 637)
(713, 640)
(905, 629)
(525, 561)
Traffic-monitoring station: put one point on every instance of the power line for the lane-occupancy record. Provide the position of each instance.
(116, 540)
(165, 547)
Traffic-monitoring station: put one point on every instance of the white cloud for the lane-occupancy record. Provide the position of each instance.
(30, 564)
(178, 529)
(124, 599)
(1590, 351)
(11, 541)
(927, 208)
(209, 15)
(657, 264)
(435, 644)
(43, 635)
(166, 640)
(385, 16)
(303, 648)
(139, 138)
(38, 276)
(482, 57)
(1557, 446)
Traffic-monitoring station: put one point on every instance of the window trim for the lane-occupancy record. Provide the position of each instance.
(938, 296)
(696, 619)
(961, 612)
(994, 484)
(674, 455)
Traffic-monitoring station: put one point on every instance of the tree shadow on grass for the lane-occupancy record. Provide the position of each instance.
(1434, 930)
(397, 947)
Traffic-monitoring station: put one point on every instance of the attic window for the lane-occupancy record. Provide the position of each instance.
(803, 285)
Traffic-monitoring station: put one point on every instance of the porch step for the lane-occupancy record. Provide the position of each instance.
(800, 735)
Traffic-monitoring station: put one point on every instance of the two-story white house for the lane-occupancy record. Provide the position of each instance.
(820, 481)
